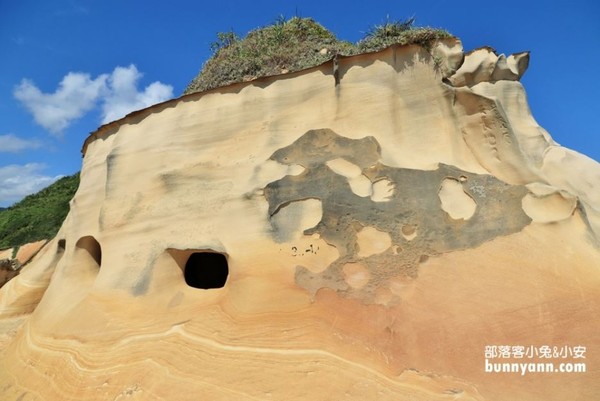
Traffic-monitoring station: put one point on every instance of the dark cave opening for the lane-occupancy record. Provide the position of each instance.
(206, 270)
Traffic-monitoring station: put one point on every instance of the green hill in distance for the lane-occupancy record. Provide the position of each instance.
(38, 216)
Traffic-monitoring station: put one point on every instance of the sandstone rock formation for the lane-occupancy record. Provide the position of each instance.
(12, 259)
(359, 230)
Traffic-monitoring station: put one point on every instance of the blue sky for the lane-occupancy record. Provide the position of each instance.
(67, 66)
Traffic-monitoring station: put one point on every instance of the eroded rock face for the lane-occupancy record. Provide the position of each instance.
(426, 201)
(359, 230)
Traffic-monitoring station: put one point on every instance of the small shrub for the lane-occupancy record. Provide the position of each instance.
(224, 40)
(400, 32)
(15, 251)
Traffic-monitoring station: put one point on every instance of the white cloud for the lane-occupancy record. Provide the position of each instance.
(76, 94)
(123, 97)
(12, 143)
(18, 181)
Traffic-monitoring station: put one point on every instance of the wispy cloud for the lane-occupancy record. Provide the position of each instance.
(19, 40)
(78, 94)
(123, 96)
(18, 181)
(73, 8)
(12, 143)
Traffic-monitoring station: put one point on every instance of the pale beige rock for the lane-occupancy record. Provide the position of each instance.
(329, 293)
(358, 182)
(383, 190)
(484, 65)
(448, 56)
(6, 253)
(546, 204)
(371, 241)
(356, 275)
(583, 182)
(13, 259)
(27, 251)
(455, 201)
(297, 217)
(22, 294)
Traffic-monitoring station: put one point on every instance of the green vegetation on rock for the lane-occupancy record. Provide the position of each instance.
(285, 46)
(295, 44)
(38, 216)
(400, 32)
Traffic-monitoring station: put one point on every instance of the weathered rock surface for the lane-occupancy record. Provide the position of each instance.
(12, 260)
(359, 232)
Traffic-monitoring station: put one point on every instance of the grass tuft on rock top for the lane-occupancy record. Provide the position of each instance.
(296, 44)
(38, 216)
(400, 32)
(284, 46)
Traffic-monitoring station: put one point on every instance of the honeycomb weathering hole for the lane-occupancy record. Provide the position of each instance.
(206, 270)
(457, 203)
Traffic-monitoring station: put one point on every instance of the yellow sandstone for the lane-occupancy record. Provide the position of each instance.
(310, 236)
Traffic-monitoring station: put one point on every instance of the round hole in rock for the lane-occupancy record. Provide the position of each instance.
(206, 270)
(89, 244)
(61, 245)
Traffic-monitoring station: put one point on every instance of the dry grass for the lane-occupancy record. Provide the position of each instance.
(295, 44)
